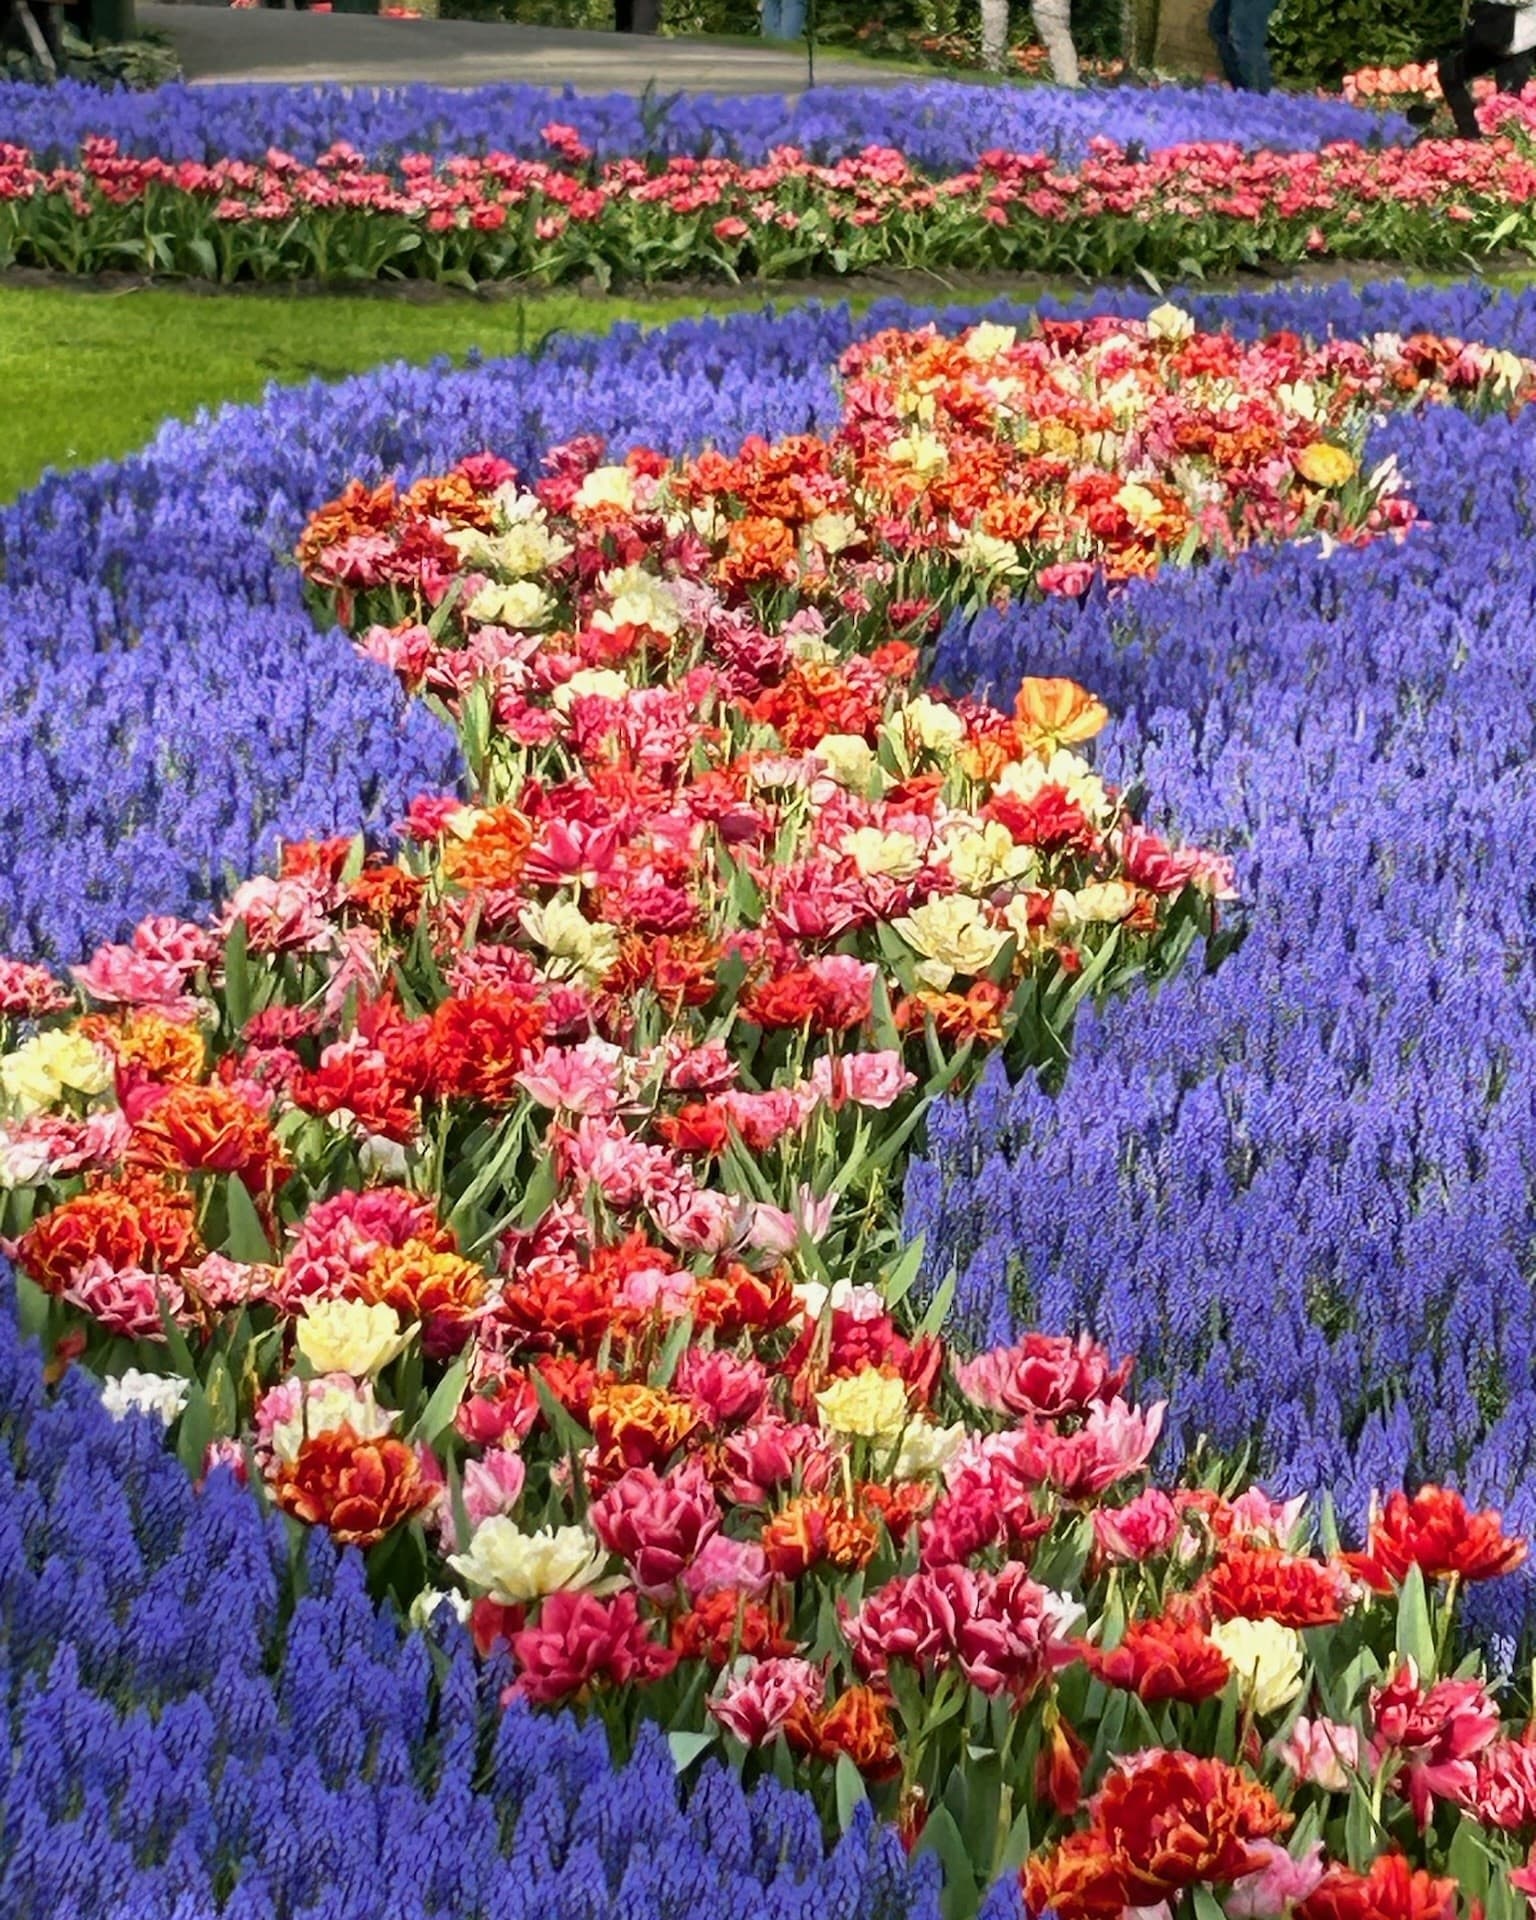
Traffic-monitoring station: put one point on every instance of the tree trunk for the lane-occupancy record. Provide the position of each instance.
(994, 33)
(1183, 44)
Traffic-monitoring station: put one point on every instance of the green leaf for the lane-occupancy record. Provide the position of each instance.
(882, 1022)
(901, 1278)
(942, 1836)
(237, 977)
(666, 1361)
(196, 1430)
(538, 1195)
(849, 1783)
(939, 1305)
(1415, 1638)
(442, 612)
(1466, 1861)
(176, 1341)
(571, 1437)
(246, 1239)
(437, 1415)
(686, 1748)
(32, 1309)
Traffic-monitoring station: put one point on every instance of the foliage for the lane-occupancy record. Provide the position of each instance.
(139, 65)
(1314, 43)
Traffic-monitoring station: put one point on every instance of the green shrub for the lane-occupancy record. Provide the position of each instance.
(1316, 42)
(139, 64)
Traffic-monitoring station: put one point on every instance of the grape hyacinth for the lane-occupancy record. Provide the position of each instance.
(941, 126)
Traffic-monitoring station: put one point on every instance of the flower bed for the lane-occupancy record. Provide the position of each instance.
(1286, 1131)
(464, 220)
(1210, 1583)
(942, 127)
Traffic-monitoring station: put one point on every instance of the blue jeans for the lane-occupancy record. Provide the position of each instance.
(783, 19)
(1240, 29)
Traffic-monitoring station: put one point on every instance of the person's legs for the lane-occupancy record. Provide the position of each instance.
(1219, 26)
(1248, 31)
(791, 19)
(1513, 75)
(1482, 50)
(1053, 23)
(772, 22)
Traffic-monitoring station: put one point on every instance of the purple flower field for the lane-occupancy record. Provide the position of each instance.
(941, 126)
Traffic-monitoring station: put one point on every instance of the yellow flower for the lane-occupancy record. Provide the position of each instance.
(872, 852)
(350, 1336)
(524, 546)
(834, 531)
(1267, 1659)
(606, 487)
(981, 858)
(1299, 398)
(52, 1063)
(931, 725)
(924, 453)
(600, 681)
(638, 599)
(987, 340)
(954, 935)
(1325, 465)
(985, 554)
(520, 605)
(1057, 437)
(811, 647)
(517, 1568)
(926, 1449)
(1099, 904)
(1140, 503)
(848, 758)
(567, 935)
(868, 1405)
(1169, 322)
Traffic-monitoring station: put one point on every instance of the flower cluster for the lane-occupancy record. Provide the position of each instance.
(942, 127)
(468, 218)
(1323, 698)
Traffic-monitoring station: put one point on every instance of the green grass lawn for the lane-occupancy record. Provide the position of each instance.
(89, 376)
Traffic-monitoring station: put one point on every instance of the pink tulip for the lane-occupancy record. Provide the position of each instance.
(493, 1484)
(758, 1703)
(657, 1525)
(1321, 1753)
(1140, 1530)
(581, 1641)
(1279, 1885)
(1048, 1375)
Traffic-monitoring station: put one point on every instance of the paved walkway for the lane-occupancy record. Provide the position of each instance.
(222, 43)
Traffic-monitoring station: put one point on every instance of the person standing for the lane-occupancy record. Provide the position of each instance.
(636, 16)
(1499, 40)
(1053, 23)
(1240, 29)
(783, 19)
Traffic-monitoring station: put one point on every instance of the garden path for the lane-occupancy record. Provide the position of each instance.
(220, 43)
